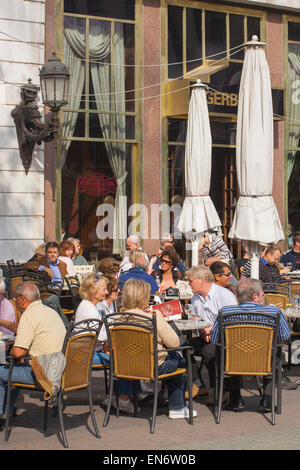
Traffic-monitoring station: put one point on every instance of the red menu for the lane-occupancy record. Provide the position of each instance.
(171, 310)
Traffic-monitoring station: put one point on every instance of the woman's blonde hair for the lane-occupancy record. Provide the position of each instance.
(135, 294)
(90, 285)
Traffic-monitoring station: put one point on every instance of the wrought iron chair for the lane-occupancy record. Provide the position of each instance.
(273, 287)
(248, 347)
(132, 342)
(78, 348)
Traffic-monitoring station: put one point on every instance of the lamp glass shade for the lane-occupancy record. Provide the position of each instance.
(54, 79)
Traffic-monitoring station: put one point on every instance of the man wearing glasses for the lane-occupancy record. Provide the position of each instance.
(207, 300)
(222, 274)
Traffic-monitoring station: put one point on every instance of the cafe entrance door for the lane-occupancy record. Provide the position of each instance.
(224, 191)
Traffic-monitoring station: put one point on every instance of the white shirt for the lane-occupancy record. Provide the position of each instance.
(70, 265)
(208, 308)
(87, 310)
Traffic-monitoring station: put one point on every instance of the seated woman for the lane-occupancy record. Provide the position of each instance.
(77, 258)
(136, 297)
(93, 290)
(167, 275)
(107, 305)
(66, 250)
(8, 322)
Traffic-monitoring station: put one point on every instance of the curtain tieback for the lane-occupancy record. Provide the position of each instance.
(122, 179)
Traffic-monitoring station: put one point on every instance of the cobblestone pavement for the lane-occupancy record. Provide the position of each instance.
(247, 430)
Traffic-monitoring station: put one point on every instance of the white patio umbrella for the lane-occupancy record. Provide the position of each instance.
(198, 213)
(256, 221)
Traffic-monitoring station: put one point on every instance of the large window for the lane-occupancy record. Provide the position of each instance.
(198, 36)
(98, 124)
(293, 114)
(208, 42)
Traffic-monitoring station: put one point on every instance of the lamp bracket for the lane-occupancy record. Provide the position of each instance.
(29, 126)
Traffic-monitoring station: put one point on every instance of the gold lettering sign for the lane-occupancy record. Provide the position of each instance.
(221, 99)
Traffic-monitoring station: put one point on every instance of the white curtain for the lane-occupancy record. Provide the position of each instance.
(293, 104)
(256, 218)
(72, 40)
(99, 54)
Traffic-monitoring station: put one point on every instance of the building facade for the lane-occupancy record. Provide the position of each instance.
(117, 166)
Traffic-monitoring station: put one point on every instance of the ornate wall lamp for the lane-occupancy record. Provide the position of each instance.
(54, 80)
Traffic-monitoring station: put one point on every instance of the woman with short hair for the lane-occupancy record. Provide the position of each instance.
(66, 250)
(93, 290)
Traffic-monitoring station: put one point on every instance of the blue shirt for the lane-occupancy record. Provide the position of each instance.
(55, 269)
(283, 330)
(137, 273)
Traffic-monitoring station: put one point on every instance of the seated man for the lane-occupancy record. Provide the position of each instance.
(133, 242)
(268, 271)
(40, 331)
(54, 269)
(223, 275)
(138, 271)
(250, 295)
(207, 300)
(155, 260)
(293, 255)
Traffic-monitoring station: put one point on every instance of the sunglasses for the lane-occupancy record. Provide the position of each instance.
(165, 261)
(223, 274)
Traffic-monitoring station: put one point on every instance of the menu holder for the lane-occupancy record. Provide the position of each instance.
(171, 310)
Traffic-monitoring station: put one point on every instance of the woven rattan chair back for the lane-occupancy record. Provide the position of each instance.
(78, 355)
(248, 350)
(133, 351)
(274, 299)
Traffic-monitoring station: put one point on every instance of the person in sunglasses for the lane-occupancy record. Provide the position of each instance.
(167, 275)
(222, 274)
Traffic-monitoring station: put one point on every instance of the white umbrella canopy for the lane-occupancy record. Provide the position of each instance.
(198, 213)
(256, 220)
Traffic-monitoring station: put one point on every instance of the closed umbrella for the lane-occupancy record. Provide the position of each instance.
(256, 220)
(198, 213)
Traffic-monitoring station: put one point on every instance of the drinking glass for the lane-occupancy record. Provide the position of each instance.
(289, 266)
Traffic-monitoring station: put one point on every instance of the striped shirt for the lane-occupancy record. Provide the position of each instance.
(207, 308)
(218, 248)
(283, 330)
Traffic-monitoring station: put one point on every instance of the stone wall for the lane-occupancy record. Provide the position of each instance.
(22, 31)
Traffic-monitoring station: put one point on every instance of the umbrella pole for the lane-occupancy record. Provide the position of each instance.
(195, 255)
(255, 257)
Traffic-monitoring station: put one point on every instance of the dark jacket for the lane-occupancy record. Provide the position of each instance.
(43, 261)
(291, 256)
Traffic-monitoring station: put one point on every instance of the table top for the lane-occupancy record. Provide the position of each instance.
(197, 324)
